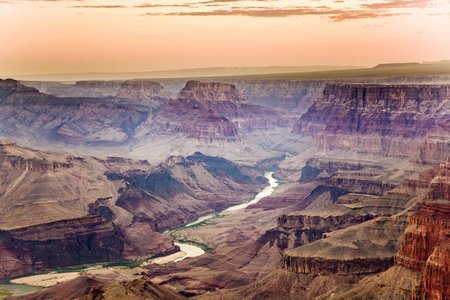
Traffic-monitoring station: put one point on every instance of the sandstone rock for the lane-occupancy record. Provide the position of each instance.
(143, 92)
(141, 288)
(425, 249)
(59, 244)
(362, 249)
(382, 119)
(38, 119)
(182, 189)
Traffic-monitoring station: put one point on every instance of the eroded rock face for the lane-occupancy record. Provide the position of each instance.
(362, 249)
(210, 112)
(59, 244)
(143, 92)
(226, 100)
(291, 95)
(380, 119)
(194, 120)
(322, 266)
(425, 249)
(141, 288)
(190, 187)
(88, 88)
(211, 91)
(36, 118)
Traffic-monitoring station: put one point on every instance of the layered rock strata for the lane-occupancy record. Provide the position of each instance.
(426, 249)
(58, 244)
(379, 119)
(362, 249)
(226, 100)
(194, 186)
(36, 118)
(143, 92)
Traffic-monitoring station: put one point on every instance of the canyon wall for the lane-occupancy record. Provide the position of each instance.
(35, 118)
(372, 118)
(426, 249)
(58, 244)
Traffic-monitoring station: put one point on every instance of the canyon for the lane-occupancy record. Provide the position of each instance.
(60, 210)
(361, 211)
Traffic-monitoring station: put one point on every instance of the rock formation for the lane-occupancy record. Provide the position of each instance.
(59, 244)
(426, 249)
(85, 89)
(381, 119)
(142, 92)
(226, 100)
(37, 119)
(192, 186)
(59, 209)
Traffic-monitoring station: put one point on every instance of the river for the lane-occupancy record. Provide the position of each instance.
(190, 250)
(193, 251)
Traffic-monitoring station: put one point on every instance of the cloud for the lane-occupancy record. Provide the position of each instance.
(148, 5)
(380, 9)
(98, 6)
(265, 12)
(202, 3)
(399, 4)
(230, 1)
(54, 0)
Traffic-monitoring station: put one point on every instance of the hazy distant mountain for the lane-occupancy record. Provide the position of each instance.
(200, 72)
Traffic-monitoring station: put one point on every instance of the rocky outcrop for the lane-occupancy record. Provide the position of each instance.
(323, 223)
(143, 92)
(226, 100)
(59, 244)
(39, 119)
(291, 95)
(85, 89)
(425, 249)
(435, 283)
(34, 165)
(92, 89)
(141, 288)
(380, 119)
(211, 112)
(362, 185)
(182, 189)
(362, 249)
(357, 176)
(322, 266)
(192, 119)
(211, 91)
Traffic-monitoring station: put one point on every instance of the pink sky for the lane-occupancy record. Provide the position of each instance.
(51, 36)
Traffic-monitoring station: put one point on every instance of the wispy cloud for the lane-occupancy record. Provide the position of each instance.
(149, 5)
(399, 4)
(231, 1)
(98, 6)
(264, 12)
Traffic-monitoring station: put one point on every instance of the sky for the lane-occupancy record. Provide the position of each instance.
(73, 36)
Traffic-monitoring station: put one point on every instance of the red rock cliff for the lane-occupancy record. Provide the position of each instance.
(426, 249)
(374, 118)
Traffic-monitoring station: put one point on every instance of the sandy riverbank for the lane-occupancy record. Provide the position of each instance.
(165, 259)
(46, 280)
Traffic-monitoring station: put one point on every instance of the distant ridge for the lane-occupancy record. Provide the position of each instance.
(397, 65)
(182, 73)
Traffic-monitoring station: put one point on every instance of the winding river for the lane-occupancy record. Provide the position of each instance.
(189, 250)
(193, 251)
